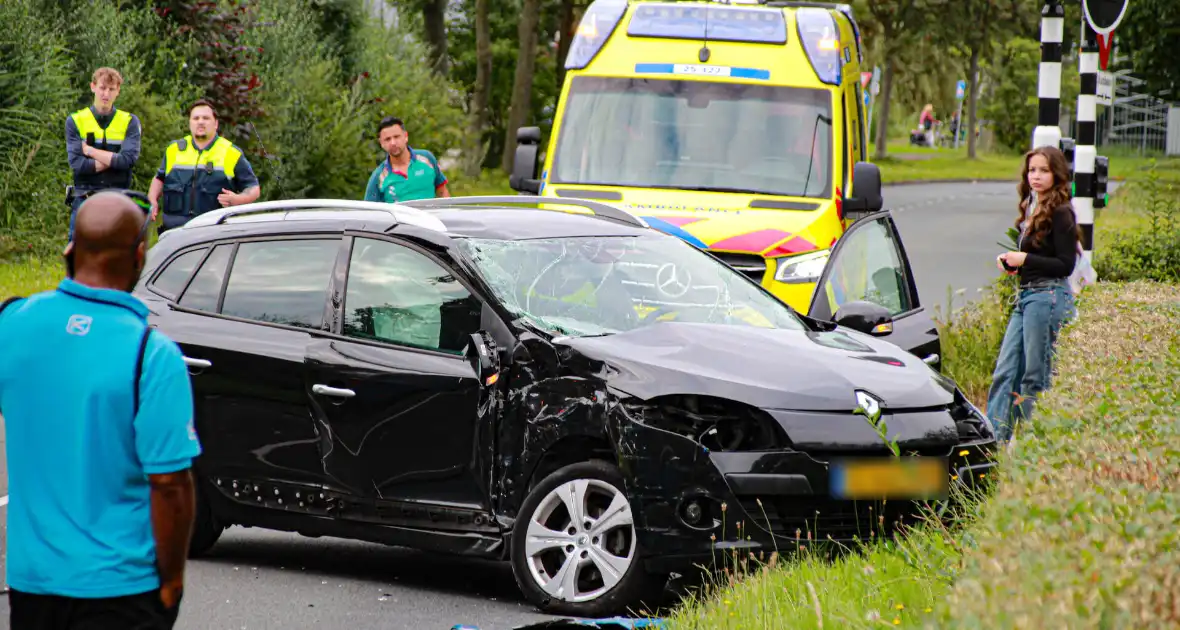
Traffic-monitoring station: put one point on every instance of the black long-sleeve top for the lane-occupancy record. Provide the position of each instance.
(1058, 251)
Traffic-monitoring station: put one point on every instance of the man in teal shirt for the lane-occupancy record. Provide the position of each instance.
(406, 173)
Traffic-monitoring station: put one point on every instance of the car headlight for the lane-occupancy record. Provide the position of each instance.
(802, 268)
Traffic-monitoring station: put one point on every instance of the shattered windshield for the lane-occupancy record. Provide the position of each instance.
(598, 285)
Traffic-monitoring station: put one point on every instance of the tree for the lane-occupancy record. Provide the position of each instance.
(1150, 34)
(522, 85)
(433, 14)
(898, 23)
(482, 92)
(975, 27)
(569, 15)
(222, 63)
(1012, 106)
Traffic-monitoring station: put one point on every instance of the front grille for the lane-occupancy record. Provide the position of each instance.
(882, 451)
(751, 265)
(816, 518)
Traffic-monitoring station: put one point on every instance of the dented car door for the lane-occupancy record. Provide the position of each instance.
(396, 400)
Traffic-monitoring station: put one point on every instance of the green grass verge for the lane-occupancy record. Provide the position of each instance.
(1083, 531)
(27, 275)
(905, 164)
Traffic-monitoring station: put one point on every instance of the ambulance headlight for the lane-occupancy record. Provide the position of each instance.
(821, 40)
(595, 28)
(802, 268)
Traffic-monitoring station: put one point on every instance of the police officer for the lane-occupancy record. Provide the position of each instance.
(102, 142)
(98, 411)
(201, 172)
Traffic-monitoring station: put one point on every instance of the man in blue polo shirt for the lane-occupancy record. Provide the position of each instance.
(406, 173)
(99, 419)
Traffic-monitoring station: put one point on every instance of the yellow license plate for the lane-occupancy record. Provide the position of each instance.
(890, 478)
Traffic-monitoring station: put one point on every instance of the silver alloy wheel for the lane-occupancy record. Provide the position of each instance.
(580, 540)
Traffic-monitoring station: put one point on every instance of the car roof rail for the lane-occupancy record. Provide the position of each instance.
(398, 212)
(600, 210)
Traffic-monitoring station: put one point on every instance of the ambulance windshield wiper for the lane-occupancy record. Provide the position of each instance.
(720, 189)
(811, 159)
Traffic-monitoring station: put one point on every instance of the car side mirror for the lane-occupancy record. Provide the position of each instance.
(484, 360)
(866, 317)
(524, 166)
(866, 190)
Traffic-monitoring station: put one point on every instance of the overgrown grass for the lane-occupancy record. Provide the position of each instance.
(27, 275)
(1139, 237)
(1084, 527)
(888, 583)
(971, 337)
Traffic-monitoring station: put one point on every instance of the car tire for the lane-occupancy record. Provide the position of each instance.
(206, 527)
(608, 574)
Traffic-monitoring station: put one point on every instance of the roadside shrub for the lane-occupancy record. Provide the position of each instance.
(1082, 532)
(1147, 248)
(308, 144)
(971, 337)
(399, 83)
(318, 138)
(35, 96)
(1011, 100)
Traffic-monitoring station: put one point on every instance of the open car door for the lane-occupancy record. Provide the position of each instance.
(869, 264)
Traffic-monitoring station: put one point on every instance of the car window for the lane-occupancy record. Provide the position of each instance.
(605, 285)
(171, 281)
(203, 291)
(281, 282)
(400, 296)
(867, 267)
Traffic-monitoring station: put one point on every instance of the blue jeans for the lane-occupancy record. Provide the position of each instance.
(1025, 365)
(74, 205)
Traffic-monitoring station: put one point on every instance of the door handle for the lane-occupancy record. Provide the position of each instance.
(931, 359)
(197, 363)
(332, 391)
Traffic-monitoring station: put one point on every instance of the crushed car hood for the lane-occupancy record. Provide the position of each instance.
(766, 368)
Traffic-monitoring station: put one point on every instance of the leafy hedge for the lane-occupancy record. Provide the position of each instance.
(1082, 531)
(319, 74)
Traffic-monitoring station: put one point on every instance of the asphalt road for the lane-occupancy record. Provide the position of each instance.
(952, 234)
(258, 579)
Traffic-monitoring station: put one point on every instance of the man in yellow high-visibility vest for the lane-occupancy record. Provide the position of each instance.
(102, 142)
(201, 172)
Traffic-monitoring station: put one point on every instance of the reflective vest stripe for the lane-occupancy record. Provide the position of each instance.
(223, 155)
(115, 132)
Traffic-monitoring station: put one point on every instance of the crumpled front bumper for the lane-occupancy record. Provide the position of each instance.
(755, 501)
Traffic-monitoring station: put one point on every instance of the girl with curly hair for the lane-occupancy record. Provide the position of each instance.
(1044, 260)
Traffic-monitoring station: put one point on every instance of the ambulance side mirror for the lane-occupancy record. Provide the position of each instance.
(524, 166)
(866, 188)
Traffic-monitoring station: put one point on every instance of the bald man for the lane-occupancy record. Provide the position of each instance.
(98, 412)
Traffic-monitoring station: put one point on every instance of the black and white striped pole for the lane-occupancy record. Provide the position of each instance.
(1099, 19)
(1048, 130)
(1086, 151)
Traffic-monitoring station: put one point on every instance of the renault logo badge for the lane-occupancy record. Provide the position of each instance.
(868, 405)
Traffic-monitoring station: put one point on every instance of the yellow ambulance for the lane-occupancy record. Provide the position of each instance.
(738, 126)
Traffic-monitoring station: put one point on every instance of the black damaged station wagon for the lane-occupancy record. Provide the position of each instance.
(597, 402)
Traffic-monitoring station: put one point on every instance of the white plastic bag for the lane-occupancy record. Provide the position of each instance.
(1083, 274)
